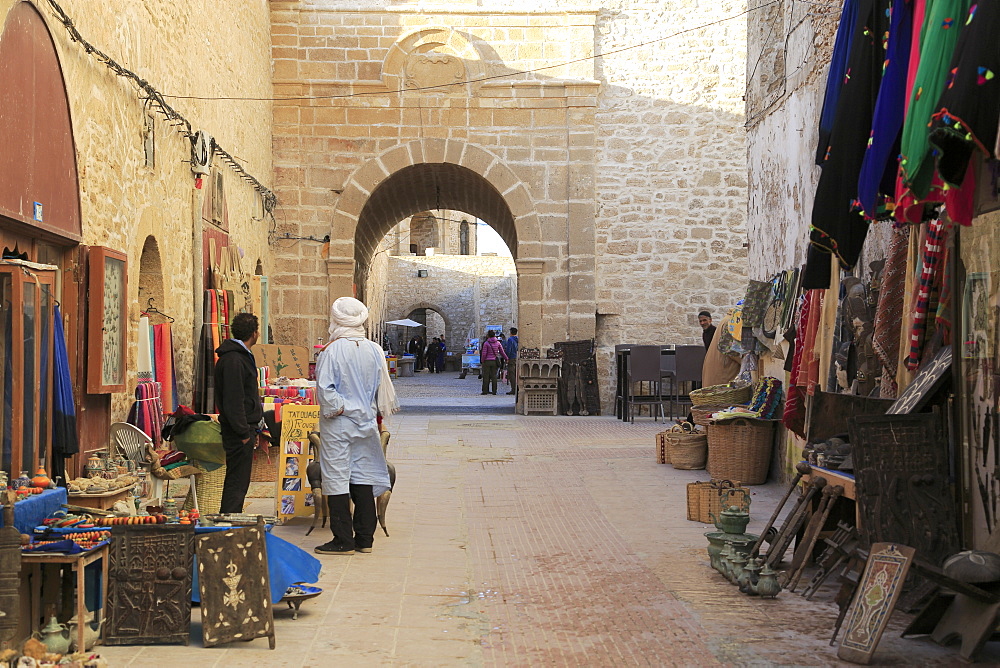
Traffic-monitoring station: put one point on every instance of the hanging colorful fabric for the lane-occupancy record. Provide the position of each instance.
(927, 282)
(144, 360)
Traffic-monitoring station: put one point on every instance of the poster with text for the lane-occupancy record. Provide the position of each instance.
(293, 496)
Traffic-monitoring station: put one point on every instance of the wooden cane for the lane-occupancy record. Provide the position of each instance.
(830, 496)
(801, 469)
(792, 524)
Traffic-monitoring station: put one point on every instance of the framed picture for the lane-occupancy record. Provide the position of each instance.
(976, 316)
(106, 326)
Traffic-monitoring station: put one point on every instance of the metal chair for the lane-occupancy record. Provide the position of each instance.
(668, 371)
(689, 360)
(644, 367)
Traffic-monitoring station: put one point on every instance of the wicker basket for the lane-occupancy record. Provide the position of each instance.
(701, 414)
(704, 498)
(208, 487)
(664, 438)
(740, 449)
(662, 451)
(688, 451)
(713, 395)
(265, 464)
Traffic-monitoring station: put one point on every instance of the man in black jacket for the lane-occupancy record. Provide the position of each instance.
(240, 410)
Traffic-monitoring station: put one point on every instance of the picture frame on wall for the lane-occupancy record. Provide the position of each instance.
(107, 324)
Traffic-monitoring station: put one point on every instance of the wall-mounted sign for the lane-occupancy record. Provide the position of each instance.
(38, 211)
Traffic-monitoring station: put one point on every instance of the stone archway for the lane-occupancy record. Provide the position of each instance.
(453, 174)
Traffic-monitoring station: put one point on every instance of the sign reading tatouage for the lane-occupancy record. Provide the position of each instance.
(294, 497)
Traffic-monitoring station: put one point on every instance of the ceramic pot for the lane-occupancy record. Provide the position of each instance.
(22, 481)
(55, 637)
(94, 467)
(731, 521)
(767, 584)
(41, 478)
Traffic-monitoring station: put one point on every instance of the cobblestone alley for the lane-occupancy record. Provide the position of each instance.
(536, 541)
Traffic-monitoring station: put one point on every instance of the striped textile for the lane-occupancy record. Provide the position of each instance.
(144, 361)
(147, 410)
(163, 365)
(927, 283)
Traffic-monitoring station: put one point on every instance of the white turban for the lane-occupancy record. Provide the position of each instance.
(347, 318)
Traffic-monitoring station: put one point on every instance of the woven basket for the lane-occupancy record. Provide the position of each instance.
(664, 438)
(713, 395)
(662, 451)
(705, 497)
(688, 451)
(740, 449)
(265, 464)
(701, 414)
(208, 486)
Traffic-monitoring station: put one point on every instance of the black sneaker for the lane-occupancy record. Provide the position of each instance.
(333, 548)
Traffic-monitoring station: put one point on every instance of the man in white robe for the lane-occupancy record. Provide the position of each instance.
(353, 388)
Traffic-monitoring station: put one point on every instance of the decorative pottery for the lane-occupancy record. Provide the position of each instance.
(751, 577)
(717, 540)
(94, 467)
(41, 479)
(22, 481)
(731, 521)
(737, 562)
(55, 636)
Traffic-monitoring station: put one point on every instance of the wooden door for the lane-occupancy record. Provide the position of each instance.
(149, 585)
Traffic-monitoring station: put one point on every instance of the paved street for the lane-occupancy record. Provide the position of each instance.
(534, 541)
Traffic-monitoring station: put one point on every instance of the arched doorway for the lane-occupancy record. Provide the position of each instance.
(555, 282)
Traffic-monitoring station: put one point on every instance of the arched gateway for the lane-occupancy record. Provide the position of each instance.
(452, 174)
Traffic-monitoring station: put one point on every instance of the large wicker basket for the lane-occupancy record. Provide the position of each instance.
(208, 487)
(688, 451)
(704, 499)
(663, 440)
(714, 395)
(740, 449)
(702, 414)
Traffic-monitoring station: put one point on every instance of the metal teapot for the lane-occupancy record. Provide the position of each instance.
(91, 632)
(54, 636)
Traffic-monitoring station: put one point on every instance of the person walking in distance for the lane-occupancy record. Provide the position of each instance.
(439, 365)
(431, 354)
(353, 388)
(510, 347)
(239, 406)
(491, 354)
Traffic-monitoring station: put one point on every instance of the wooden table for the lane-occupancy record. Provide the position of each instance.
(78, 563)
(102, 501)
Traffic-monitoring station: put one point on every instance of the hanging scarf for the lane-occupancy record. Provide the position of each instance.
(929, 280)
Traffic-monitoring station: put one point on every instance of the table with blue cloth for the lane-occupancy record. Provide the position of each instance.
(30, 511)
(286, 564)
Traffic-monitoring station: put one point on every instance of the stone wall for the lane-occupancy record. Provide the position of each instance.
(469, 292)
(181, 48)
(671, 171)
(625, 172)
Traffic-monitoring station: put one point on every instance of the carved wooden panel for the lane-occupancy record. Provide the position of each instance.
(874, 600)
(10, 570)
(149, 585)
(924, 383)
(903, 486)
(235, 586)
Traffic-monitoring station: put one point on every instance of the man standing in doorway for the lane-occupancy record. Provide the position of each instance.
(431, 354)
(440, 355)
(707, 328)
(240, 410)
(510, 347)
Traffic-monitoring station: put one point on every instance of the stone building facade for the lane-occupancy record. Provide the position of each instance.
(135, 188)
(615, 174)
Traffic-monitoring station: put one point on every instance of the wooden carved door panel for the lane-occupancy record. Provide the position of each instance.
(904, 489)
(149, 585)
(235, 586)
